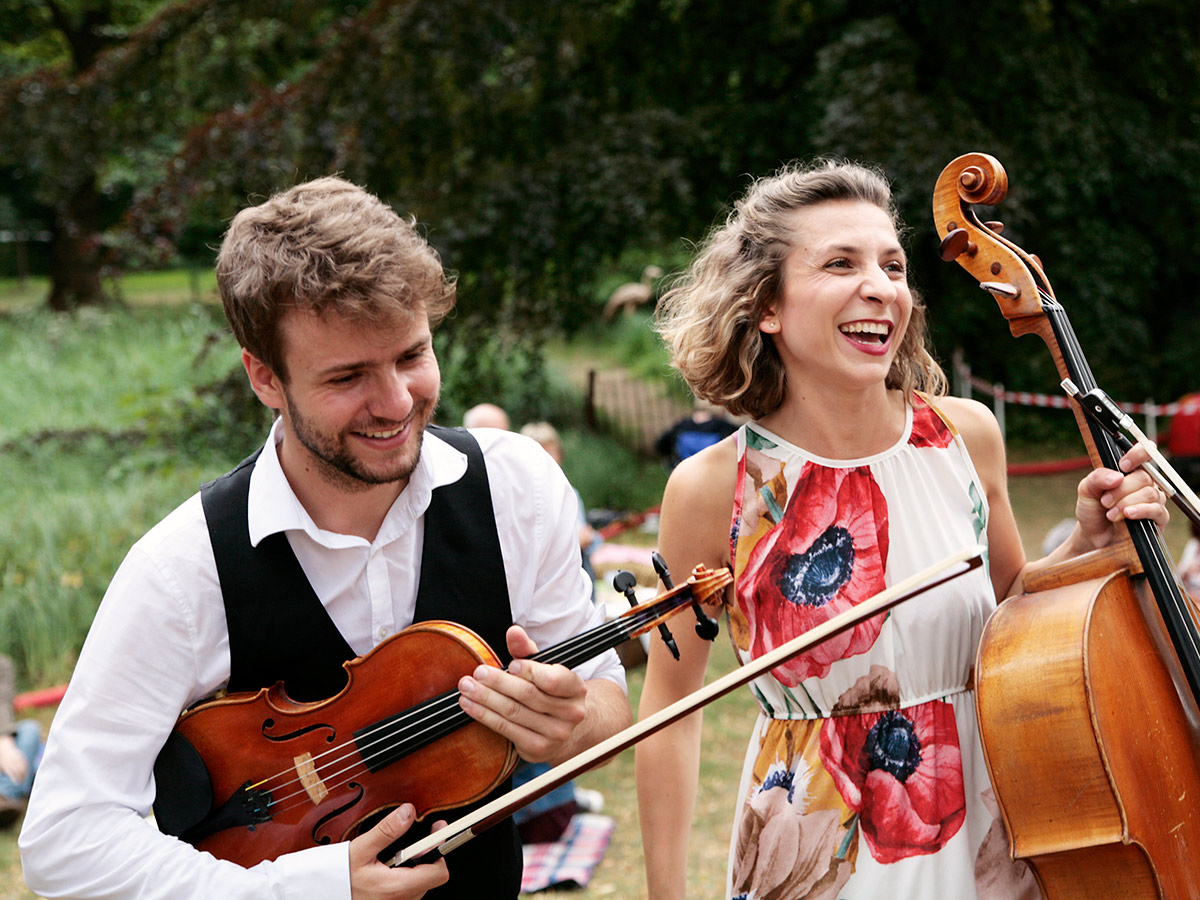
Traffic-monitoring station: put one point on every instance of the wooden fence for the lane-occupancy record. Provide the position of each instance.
(636, 411)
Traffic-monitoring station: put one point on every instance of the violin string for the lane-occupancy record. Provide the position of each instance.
(429, 708)
(583, 647)
(443, 711)
(446, 713)
(449, 717)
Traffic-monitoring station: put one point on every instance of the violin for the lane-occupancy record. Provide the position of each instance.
(251, 776)
(1087, 685)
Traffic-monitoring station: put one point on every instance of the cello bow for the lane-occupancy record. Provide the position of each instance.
(1087, 685)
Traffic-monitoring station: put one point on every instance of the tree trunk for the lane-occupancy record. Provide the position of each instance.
(75, 252)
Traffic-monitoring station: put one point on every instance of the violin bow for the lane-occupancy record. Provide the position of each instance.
(457, 833)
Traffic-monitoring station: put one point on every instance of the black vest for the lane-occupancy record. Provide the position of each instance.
(462, 580)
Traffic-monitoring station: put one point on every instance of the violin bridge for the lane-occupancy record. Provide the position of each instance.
(313, 785)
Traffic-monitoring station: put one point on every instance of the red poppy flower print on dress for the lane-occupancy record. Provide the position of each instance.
(901, 771)
(826, 555)
(928, 429)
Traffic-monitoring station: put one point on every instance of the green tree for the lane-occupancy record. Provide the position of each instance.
(539, 139)
(95, 96)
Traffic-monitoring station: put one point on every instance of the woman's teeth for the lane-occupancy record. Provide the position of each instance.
(878, 330)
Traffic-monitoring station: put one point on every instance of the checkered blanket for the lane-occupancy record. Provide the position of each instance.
(569, 861)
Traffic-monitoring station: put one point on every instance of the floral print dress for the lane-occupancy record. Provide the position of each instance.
(864, 777)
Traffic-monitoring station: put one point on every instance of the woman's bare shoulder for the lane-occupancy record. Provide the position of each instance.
(981, 433)
(974, 421)
(698, 504)
(707, 476)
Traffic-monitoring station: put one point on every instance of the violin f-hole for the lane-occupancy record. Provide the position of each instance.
(317, 836)
(299, 732)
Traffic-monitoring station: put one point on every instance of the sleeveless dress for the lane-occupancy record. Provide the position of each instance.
(864, 776)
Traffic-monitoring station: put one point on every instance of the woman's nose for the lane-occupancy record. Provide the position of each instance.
(880, 286)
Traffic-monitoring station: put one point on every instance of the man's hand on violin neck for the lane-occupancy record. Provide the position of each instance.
(536, 706)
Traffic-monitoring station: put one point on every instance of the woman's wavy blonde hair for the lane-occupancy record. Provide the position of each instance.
(709, 318)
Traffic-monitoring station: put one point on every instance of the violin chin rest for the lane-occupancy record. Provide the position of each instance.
(183, 794)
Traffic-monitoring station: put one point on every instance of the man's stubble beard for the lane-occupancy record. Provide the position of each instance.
(339, 467)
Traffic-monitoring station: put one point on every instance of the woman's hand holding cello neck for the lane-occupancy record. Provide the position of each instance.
(1107, 496)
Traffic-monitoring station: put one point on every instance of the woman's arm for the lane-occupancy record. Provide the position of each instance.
(693, 528)
(1103, 497)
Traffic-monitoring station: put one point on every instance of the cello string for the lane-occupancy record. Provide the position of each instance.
(1159, 566)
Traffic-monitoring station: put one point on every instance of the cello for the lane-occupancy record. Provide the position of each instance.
(1086, 684)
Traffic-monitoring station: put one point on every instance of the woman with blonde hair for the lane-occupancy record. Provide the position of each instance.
(864, 775)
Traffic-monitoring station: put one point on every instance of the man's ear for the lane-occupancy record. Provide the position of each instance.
(265, 383)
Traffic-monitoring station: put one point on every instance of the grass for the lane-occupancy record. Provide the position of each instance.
(164, 288)
(91, 461)
(93, 454)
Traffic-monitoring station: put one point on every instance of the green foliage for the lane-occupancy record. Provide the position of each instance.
(109, 423)
(631, 342)
(482, 363)
(539, 140)
(608, 475)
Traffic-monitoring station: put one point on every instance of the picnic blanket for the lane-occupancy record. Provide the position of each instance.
(569, 861)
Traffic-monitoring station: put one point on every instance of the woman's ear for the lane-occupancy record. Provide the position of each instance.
(265, 383)
(769, 323)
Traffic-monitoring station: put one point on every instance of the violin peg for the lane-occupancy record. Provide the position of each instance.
(955, 244)
(706, 627)
(660, 568)
(623, 581)
(994, 227)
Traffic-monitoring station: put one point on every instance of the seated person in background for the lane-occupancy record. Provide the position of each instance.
(378, 519)
(486, 415)
(20, 748)
(691, 434)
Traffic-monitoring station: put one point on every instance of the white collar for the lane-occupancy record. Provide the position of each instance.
(274, 506)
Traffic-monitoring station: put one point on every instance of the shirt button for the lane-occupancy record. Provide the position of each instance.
(384, 632)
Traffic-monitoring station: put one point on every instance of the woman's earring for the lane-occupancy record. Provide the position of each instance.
(770, 325)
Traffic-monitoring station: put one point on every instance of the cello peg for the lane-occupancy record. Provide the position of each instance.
(955, 244)
(994, 227)
(1001, 289)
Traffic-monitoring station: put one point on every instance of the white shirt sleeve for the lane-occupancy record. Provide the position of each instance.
(537, 514)
(154, 648)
